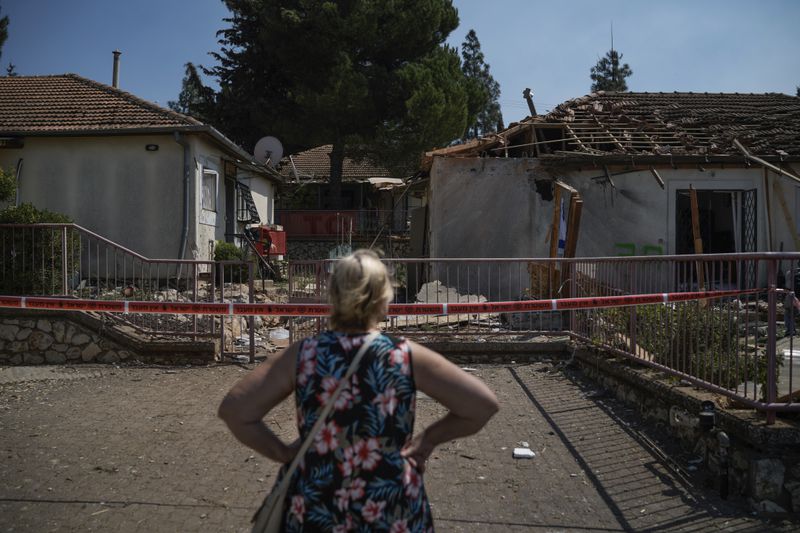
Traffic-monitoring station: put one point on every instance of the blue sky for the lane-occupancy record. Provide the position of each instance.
(675, 45)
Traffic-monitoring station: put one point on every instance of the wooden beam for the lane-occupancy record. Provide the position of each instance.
(573, 224)
(698, 239)
(657, 176)
(761, 162)
(608, 176)
(556, 220)
(575, 137)
(608, 131)
(552, 272)
(569, 188)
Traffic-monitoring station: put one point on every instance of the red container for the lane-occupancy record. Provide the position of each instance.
(269, 240)
(278, 247)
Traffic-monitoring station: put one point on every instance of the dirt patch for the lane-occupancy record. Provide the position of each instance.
(140, 449)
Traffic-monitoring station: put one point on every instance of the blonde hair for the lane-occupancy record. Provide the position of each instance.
(359, 291)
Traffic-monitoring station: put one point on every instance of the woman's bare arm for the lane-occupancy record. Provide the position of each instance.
(470, 401)
(250, 399)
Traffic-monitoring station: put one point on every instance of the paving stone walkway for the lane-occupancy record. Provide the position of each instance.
(140, 449)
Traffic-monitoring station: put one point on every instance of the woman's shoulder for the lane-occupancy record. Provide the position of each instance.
(396, 341)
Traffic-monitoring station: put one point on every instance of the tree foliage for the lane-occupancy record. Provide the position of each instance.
(8, 186)
(195, 99)
(3, 32)
(372, 78)
(609, 75)
(483, 92)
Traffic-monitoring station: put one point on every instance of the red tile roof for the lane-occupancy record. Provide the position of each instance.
(315, 163)
(69, 103)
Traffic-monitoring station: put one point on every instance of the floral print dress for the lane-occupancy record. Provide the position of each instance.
(353, 477)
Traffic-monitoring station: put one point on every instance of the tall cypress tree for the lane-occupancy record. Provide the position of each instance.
(372, 78)
(483, 108)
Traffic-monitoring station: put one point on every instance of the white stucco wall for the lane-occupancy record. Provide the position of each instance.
(263, 192)
(484, 208)
(111, 185)
(489, 208)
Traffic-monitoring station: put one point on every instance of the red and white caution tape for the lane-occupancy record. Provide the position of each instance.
(311, 310)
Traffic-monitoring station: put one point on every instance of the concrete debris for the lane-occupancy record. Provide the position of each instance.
(436, 292)
(523, 453)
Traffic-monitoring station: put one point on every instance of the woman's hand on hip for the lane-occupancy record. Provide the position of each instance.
(417, 451)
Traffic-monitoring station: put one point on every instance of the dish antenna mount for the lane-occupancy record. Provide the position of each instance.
(269, 151)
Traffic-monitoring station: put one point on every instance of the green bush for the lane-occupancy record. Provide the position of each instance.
(8, 185)
(226, 251)
(29, 214)
(692, 338)
(33, 262)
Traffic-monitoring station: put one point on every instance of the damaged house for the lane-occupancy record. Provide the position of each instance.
(624, 166)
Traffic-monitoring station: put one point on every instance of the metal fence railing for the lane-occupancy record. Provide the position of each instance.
(733, 346)
(68, 260)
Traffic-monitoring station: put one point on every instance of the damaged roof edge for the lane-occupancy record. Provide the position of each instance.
(650, 159)
(653, 127)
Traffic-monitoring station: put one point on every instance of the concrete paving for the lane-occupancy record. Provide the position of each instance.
(140, 449)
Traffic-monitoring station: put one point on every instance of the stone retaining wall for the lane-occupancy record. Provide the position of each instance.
(763, 461)
(33, 342)
(33, 337)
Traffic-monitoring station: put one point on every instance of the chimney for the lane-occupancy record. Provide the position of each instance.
(115, 77)
(528, 96)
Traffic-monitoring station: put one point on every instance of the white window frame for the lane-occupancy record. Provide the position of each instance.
(215, 198)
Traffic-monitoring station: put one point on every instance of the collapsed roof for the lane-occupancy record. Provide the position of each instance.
(651, 126)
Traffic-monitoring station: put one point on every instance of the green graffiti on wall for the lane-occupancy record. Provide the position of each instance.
(625, 249)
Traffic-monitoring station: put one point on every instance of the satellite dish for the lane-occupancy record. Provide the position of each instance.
(269, 151)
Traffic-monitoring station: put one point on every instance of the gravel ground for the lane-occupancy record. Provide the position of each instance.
(94, 448)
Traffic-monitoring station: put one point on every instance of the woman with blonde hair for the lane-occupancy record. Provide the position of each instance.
(363, 469)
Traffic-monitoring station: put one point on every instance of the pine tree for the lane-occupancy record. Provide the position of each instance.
(3, 32)
(608, 75)
(11, 70)
(483, 92)
(195, 99)
(370, 77)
